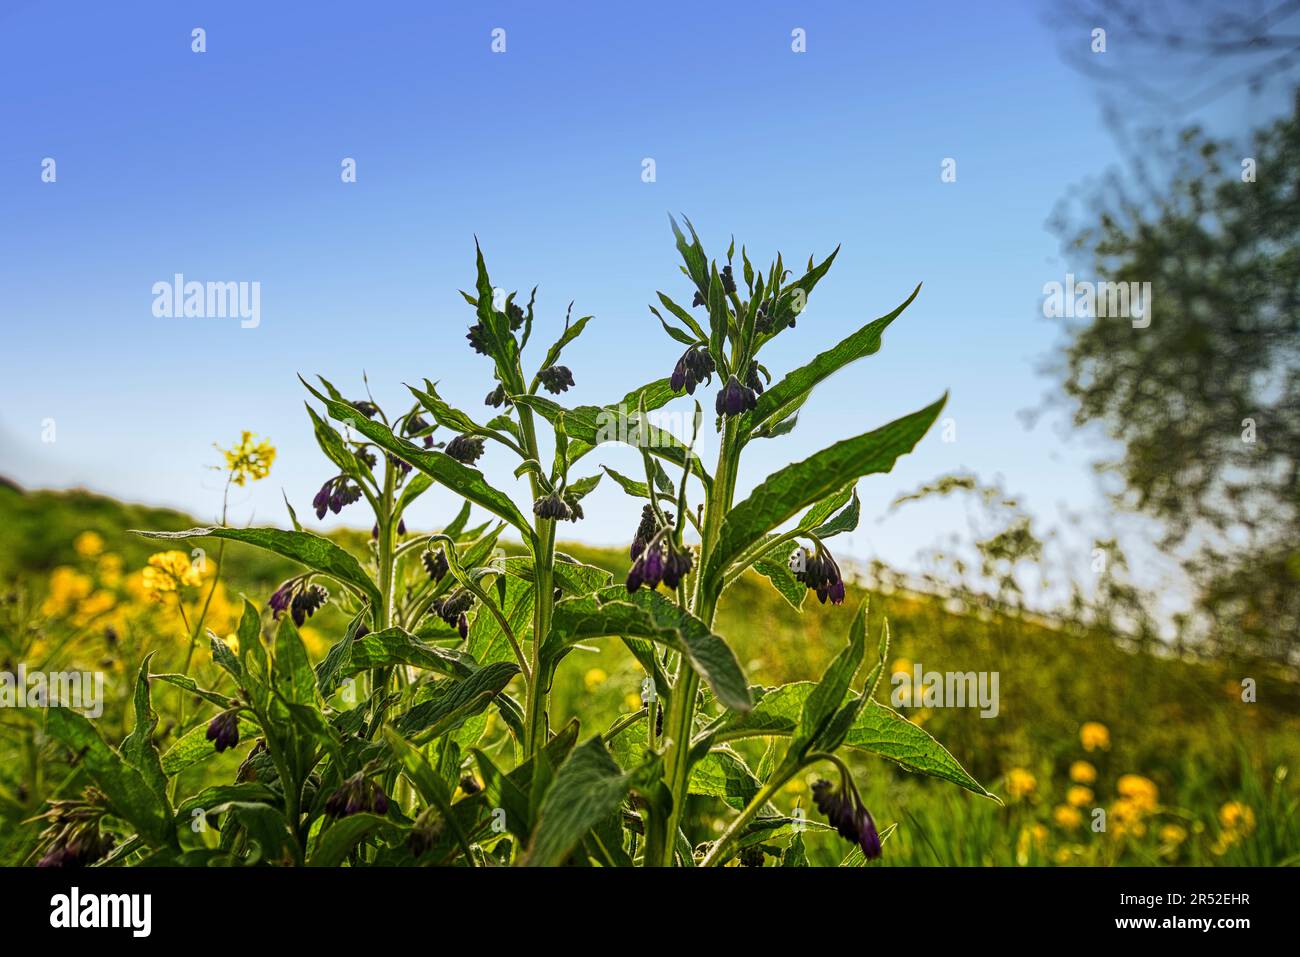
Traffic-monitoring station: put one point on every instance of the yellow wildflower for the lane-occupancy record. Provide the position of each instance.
(901, 666)
(1126, 818)
(594, 678)
(1173, 834)
(632, 701)
(67, 587)
(1094, 735)
(1081, 772)
(1141, 791)
(249, 459)
(88, 544)
(795, 785)
(109, 568)
(1020, 783)
(169, 571)
(1079, 796)
(1237, 817)
(1066, 816)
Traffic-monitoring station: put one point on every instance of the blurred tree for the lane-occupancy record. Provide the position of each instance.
(1205, 401)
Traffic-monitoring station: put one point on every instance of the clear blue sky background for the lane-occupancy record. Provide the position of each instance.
(225, 166)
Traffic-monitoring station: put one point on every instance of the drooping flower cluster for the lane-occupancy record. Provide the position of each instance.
(695, 366)
(358, 793)
(73, 837)
(819, 572)
(497, 397)
(465, 449)
(849, 816)
(556, 379)
(435, 564)
(418, 427)
(223, 730)
(299, 599)
(655, 557)
(368, 409)
(452, 610)
(552, 506)
(736, 397)
(334, 494)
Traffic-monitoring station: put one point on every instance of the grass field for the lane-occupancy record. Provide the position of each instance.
(1163, 752)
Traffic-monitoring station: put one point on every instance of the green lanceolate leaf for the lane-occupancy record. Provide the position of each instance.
(824, 701)
(684, 316)
(193, 747)
(719, 321)
(793, 298)
(452, 418)
(447, 704)
(697, 264)
(396, 646)
(338, 840)
(570, 333)
(783, 493)
(138, 748)
(878, 729)
(331, 443)
(130, 795)
(291, 671)
(647, 614)
(587, 788)
(330, 670)
(465, 481)
(319, 554)
(789, 394)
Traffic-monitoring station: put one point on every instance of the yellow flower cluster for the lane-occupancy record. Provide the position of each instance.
(168, 572)
(1020, 783)
(1094, 736)
(1236, 821)
(249, 459)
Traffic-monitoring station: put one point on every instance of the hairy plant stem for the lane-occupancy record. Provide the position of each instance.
(680, 720)
(535, 712)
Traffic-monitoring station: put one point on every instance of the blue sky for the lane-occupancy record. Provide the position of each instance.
(225, 166)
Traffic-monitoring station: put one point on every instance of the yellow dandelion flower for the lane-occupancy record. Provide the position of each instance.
(1079, 796)
(1066, 816)
(901, 666)
(109, 569)
(249, 459)
(594, 678)
(88, 544)
(1142, 792)
(1020, 783)
(1172, 834)
(1094, 735)
(796, 785)
(632, 701)
(1032, 837)
(1237, 817)
(1126, 818)
(1081, 772)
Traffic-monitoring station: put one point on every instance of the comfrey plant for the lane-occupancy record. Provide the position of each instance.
(386, 752)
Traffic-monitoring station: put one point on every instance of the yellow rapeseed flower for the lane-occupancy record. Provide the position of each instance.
(594, 678)
(1079, 796)
(88, 544)
(167, 572)
(1020, 783)
(1141, 791)
(67, 587)
(249, 459)
(1094, 735)
(1081, 772)
(1066, 816)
